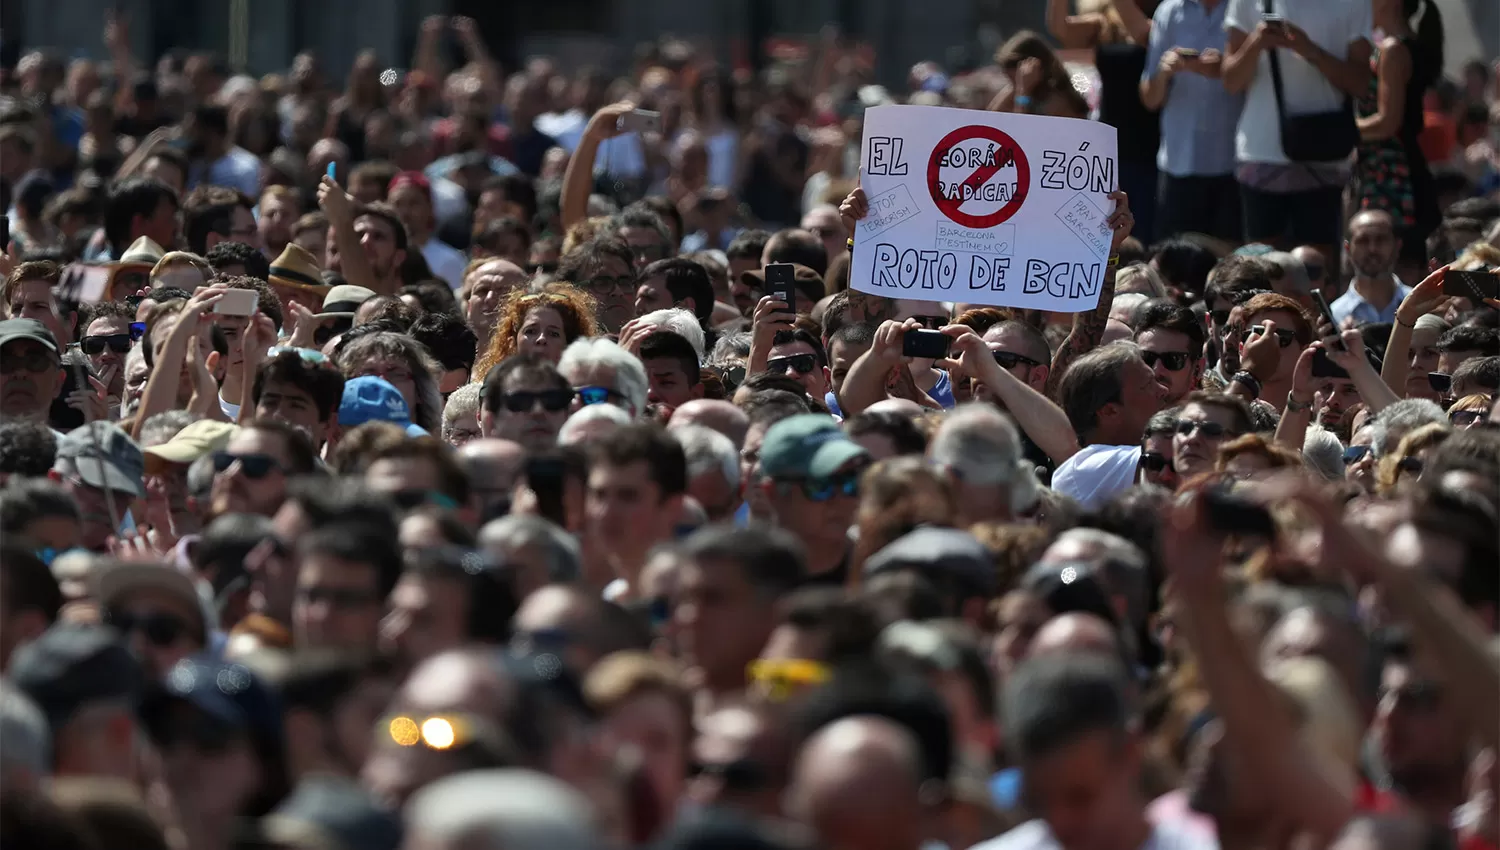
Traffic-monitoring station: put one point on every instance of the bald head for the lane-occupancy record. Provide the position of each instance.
(715, 414)
(505, 809)
(858, 783)
(903, 406)
(496, 463)
(1076, 633)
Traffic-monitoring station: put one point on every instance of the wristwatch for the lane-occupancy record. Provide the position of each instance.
(1294, 406)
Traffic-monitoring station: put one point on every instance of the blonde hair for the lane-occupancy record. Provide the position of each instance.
(582, 232)
(1140, 273)
(1388, 474)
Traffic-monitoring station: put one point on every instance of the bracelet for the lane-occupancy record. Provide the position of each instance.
(1113, 261)
(850, 243)
(1248, 381)
(1412, 326)
(1294, 406)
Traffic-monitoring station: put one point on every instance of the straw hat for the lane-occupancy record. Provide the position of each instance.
(296, 268)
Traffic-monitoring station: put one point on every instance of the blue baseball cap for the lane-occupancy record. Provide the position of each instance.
(371, 398)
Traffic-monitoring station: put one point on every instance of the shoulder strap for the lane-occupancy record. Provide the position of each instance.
(1265, 7)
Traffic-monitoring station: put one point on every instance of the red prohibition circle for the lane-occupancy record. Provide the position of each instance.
(949, 206)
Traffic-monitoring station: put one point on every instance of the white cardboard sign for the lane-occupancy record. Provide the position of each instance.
(984, 207)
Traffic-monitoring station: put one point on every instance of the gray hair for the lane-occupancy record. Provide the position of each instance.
(731, 347)
(519, 531)
(599, 352)
(1405, 416)
(1291, 268)
(462, 402)
(1139, 274)
(679, 321)
(1323, 453)
(164, 426)
(388, 345)
(503, 809)
(572, 430)
(706, 450)
(25, 740)
(983, 443)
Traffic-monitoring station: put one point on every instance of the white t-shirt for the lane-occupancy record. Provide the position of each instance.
(447, 263)
(1332, 25)
(1034, 835)
(1097, 473)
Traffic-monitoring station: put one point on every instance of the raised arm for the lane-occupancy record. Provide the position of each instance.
(866, 382)
(578, 180)
(1137, 23)
(166, 378)
(339, 208)
(1423, 299)
(1042, 420)
(1088, 328)
(1291, 430)
(1073, 31)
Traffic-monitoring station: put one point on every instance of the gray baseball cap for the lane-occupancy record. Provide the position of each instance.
(104, 457)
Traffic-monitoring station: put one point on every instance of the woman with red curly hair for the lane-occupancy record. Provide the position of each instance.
(541, 322)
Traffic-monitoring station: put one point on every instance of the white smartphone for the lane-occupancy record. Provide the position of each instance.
(639, 121)
(237, 302)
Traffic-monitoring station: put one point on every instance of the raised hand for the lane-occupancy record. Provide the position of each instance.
(1121, 221)
(854, 208)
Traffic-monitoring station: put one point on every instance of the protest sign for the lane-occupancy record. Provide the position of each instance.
(984, 207)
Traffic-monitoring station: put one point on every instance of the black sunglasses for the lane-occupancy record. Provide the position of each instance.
(1284, 337)
(1219, 317)
(802, 364)
(160, 629)
(118, 343)
(1175, 361)
(1010, 359)
(1441, 382)
(1210, 430)
(1155, 461)
(254, 466)
(1355, 454)
(552, 400)
(1464, 418)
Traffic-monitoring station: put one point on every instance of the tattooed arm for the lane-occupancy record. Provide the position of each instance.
(1088, 328)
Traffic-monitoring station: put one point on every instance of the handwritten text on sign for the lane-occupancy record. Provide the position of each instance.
(984, 207)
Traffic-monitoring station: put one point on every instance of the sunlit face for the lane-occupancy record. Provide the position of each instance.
(1195, 452)
(1372, 245)
(652, 295)
(669, 385)
(543, 334)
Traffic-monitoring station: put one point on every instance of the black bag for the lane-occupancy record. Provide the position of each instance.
(1317, 136)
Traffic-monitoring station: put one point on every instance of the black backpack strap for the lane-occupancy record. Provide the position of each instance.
(1265, 8)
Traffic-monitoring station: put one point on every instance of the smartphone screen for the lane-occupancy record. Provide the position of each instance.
(237, 302)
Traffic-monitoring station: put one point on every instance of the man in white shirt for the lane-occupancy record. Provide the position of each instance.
(1109, 394)
(411, 194)
(216, 162)
(1322, 51)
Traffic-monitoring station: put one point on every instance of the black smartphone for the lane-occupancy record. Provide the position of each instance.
(1327, 311)
(1233, 514)
(781, 282)
(4, 232)
(1474, 285)
(925, 344)
(1324, 367)
(545, 477)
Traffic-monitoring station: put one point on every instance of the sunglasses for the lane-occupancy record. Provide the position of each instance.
(118, 343)
(1441, 382)
(609, 284)
(1010, 359)
(410, 500)
(1355, 454)
(1465, 418)
(1175, 361)
(823, 489)
(158, 628)
(526, 642)
(33, 361)
(782, 677)
(1210, 430)
(595, 395)
(741, 775)
(1284, 337)
(802, 364)
(1219, 317)
(552, 401)
(253, 466)
(1155, 461)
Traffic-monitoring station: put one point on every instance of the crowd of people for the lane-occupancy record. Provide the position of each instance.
(427, 464)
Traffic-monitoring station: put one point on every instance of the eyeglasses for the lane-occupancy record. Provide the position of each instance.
(596, 395)
(410, 500)
(118, 343)
(1284, 337)
(32, 361)
(308, 354)
(742, 775)
(252, 466)
(1175, 361)
(732, 376)
(823, 489)
(524, 642)
(1441, 382)
(1218, 317)
(1410, 464)
(782, 677)
(336, 597)
(1355, 454)
(802, 364)
(552, 401)
(1010, 359)
(1155, 461)
(607, 284)
(394, 376)
(1465, 418)
(159, 628)
(1210, 430)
